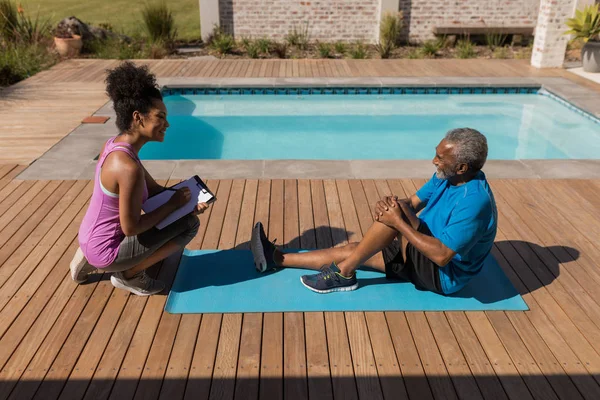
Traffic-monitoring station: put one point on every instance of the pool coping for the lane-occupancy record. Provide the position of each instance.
(73, 156)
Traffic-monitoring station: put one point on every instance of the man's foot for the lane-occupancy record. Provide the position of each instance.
(140, 284)
(329, 280)
(80, 268)
(262, 250)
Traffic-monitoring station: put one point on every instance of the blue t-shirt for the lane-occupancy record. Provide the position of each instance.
(464, 219)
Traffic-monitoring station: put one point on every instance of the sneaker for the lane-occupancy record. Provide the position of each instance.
(80, 268)
(329, 280)
(141, 284)
(262, 250)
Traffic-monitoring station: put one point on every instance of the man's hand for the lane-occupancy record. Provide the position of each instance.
(200, 208)
(388, 212)
(409, 213)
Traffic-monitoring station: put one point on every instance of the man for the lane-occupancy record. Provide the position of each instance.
(441, 250)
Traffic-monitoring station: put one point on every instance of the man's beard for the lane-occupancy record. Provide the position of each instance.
(445, 174)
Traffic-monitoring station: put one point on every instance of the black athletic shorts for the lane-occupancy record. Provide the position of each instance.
(417, 268)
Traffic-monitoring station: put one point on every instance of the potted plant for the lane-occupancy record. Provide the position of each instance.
(67, 44)
(586, 25)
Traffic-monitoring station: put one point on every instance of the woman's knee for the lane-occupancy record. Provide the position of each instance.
(192, 225)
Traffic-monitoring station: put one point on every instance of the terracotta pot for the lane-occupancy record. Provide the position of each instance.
(69, 47)
(590, 55)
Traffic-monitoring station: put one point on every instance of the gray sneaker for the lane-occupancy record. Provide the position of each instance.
(141, 284)
(80, 268)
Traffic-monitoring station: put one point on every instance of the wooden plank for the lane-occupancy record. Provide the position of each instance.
(203, 361)
(204, 218)
(271, 364)
(388, 369)
(18, 199)
(223, 380)
(433, 364)
(406, 353)
(291, 235)
(25, 283)
(248, 368)
(8, 178)
(276, 212)
(317, 357)
(215, 223)
(294, 356)
(365, 371)
(501, 361)
(312, 204)
(340, 358)
(29, 220)
(320, 214)
(5, 169)
(334, 212)
(567, 329)
(557, 386)
(455, 362)
(305, 216)
(232, 215)
(246, 222)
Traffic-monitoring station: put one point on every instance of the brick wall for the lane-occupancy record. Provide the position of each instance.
(330, 20)
(420, 16)
(550, 42)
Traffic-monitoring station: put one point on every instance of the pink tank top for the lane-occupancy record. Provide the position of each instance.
(100, 233)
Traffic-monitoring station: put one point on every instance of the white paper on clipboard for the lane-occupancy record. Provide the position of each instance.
(199, 194)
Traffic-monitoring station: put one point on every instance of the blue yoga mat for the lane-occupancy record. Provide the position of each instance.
(225, 281)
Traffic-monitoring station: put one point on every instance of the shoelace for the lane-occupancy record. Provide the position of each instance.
(143, 278)
(326, 272)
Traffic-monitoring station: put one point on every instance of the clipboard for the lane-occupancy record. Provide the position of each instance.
(200, 193)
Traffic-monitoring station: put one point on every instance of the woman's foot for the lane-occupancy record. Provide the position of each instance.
(140, 284)
(263, 251)
(80, 268)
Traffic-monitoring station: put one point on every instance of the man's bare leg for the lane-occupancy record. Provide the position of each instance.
(348, 258)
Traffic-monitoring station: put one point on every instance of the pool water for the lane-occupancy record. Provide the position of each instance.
(369, 127)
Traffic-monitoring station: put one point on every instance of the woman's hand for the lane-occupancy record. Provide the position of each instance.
(180, 198)
(200, 208)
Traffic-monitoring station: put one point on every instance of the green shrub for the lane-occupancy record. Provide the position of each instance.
(245, 42)
(264, 45)
(389, 33)
(359, 51)
(340, 48)
(8, 20)
(19, 61)
(324, 50)
(465, 49)
(252, 49)
(431, 47)
(299, 37)
(280, 49)
(586, 23)
(159, 22)
(501, 52)
(414, 54)
(223, 43)
(495, 40)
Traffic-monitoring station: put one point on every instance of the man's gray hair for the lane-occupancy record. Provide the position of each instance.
(470, 147)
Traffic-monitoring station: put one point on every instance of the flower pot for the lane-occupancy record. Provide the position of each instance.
(69, 47)
(590, 55)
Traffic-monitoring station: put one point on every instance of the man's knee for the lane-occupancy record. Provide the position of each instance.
(351, 246)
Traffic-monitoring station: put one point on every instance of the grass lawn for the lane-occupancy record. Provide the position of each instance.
(124, 15)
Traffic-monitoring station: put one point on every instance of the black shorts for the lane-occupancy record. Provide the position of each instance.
(417, 268)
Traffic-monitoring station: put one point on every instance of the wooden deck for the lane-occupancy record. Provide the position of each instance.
(61, 340)
(41, 110)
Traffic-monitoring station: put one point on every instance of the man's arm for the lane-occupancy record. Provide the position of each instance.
(399, 215)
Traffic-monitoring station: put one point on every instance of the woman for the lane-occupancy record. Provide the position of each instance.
(114, 236)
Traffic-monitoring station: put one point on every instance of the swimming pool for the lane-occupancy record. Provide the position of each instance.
(305, 124)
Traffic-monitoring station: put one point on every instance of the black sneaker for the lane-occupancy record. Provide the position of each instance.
(262, 249)
(329, 280)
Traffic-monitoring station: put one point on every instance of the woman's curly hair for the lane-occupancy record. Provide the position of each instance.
(131, 88)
